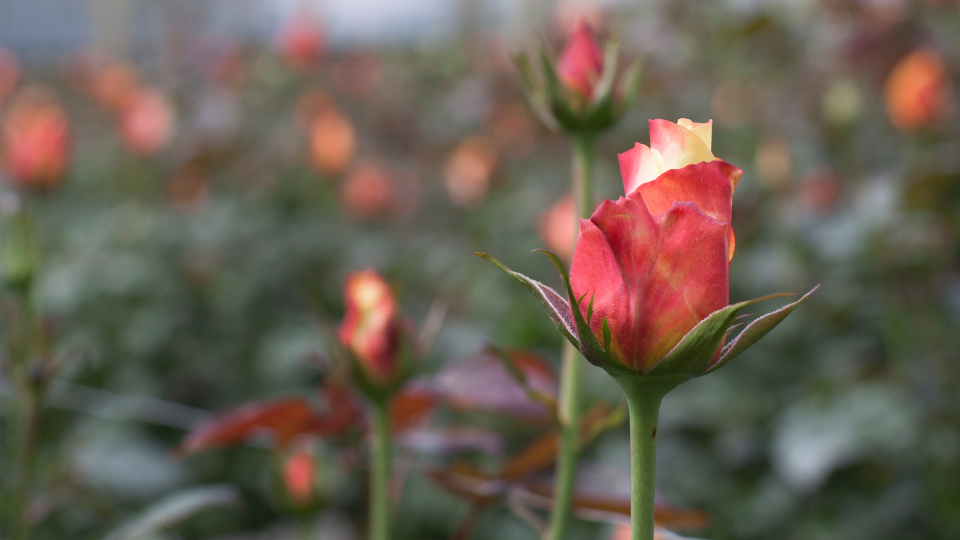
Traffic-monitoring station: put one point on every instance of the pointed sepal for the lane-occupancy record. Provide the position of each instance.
(557, 308)
(754, 331)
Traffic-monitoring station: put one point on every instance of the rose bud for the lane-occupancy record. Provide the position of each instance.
(581, 63)
(146, 122)
(300, 41)
(332, 140)
(580, 92)
(372, 332)
(36, 140)
(917, 90)
(649, 274)
(299, 474)
(557, 227)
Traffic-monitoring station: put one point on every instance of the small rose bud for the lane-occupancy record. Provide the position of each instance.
(371, 329)
(581, 62)
(918, 90)
(36, 140)
(146, 122)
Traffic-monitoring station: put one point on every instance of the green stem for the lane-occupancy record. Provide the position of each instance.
(568, 413)
(643, 401)
(22, 340)
(380, 472)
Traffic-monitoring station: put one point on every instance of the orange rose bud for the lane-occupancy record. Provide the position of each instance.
(558, 227)
(581, 62)
(917, 90)
(36, 140)
(371, 328)
(332, 140)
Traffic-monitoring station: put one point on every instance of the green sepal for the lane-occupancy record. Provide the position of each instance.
(629, 88)
(589, 347)
(534, 89)
(557, 96)
(557, 308)
(754, 331)
(693, 354)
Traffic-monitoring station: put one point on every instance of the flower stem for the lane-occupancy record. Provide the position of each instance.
(643, 402)
(380, 472)
(568, 412)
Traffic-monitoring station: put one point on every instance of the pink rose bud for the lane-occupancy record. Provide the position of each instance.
(371, 327)
(653, 264)
(36, 140)
(146, 122)
(581, 62)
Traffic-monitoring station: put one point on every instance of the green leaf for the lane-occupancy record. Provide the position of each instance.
(756, 330)
(557, 308)
(692, 356)
(588, 346)
(174, 509)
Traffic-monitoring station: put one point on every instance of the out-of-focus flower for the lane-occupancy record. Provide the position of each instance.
(774, 161)
(510, 128)
(649, 279)
(332, 140)
(819, 190)
(918, 90)
(842, 102)
(368, 190)
(371, 330)
(468, 171)
(9, 73)
(189, 188)
(300, 40)
(558, 229)
(36, 139)
(357, 73)
(581, 62)
(114, 85)
(147, 122)
(299, 474)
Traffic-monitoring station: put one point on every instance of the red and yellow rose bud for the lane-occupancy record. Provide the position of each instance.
(372, 331)
(581, 62)
(36, 140)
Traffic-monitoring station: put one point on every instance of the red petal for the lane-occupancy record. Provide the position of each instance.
(581, 62)
(708, 184)
(653, 279)
(637, 165)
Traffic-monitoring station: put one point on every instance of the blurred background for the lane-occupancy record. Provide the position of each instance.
(202, 175)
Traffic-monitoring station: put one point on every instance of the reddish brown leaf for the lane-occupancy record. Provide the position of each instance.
(285, 418)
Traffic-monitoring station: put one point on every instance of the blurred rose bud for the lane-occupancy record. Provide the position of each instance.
(36, 139)
(468, 171)
(371, 329)
(368, 191)
(918, 90)
(581, 62)
(774, 161)
(332, 140)
(300, 40)
(819, 190)
(9, 73)
(146, 122)
(558, 227)
(114, 85)
(572, 13)
(299, 474)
